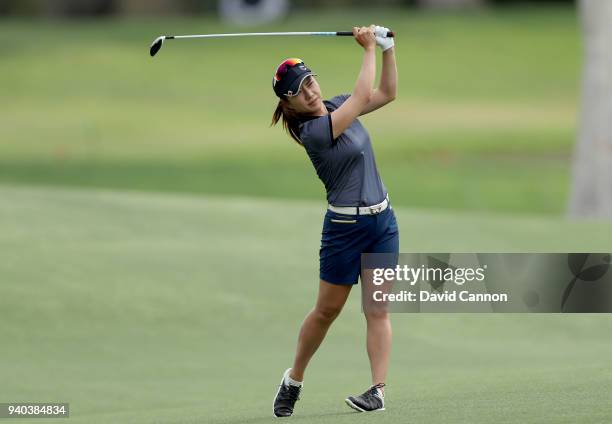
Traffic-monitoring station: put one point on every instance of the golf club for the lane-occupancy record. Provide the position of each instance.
(159, 41)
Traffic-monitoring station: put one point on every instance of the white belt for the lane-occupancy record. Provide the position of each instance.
(363, 210)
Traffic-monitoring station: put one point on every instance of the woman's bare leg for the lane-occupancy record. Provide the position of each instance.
(330, 301)
(378, 344)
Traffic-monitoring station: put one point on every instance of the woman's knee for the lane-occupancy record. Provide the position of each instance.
(377, 315)
(327, 313)
(330, 301)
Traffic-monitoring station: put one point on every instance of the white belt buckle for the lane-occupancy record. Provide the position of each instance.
(375, 209)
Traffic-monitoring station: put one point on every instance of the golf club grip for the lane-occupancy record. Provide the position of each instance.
(350, 34)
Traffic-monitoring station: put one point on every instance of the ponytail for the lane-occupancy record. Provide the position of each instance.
(291, 122)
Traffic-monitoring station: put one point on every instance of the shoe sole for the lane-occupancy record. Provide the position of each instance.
(273, 400)
(358, 409)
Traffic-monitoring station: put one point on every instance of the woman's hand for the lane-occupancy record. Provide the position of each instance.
(384, 42)
(365, 37)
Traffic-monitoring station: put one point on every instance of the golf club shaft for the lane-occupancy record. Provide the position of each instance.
(259, 34)
(157, 44)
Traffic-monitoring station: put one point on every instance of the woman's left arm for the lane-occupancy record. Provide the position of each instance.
(387, 88)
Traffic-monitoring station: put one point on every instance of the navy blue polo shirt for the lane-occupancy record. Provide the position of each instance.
(346, 165)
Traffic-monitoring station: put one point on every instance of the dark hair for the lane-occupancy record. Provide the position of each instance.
(291, 121)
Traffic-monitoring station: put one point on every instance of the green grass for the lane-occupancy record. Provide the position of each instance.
(484, 120)
(138, 307)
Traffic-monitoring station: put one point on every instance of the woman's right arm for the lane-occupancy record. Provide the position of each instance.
(362, 93)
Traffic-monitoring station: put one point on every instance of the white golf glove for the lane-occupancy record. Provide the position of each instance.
(382, 41)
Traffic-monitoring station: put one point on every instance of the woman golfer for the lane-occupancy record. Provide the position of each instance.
(359, 218)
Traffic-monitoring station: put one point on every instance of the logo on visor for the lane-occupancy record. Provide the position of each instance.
(282, 69)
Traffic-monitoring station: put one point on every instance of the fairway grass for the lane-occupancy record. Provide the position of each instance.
(140, 307)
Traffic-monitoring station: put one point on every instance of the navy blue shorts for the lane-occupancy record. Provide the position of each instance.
(346, 237)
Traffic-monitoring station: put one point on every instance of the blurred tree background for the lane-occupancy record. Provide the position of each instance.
(485, 118)
(68, 8)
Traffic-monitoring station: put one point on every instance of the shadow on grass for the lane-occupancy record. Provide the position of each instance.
(300, 418)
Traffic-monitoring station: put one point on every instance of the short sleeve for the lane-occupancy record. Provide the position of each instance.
(339, 99)
(316, 134)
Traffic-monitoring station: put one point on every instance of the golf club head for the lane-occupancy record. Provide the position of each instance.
(157, 45)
